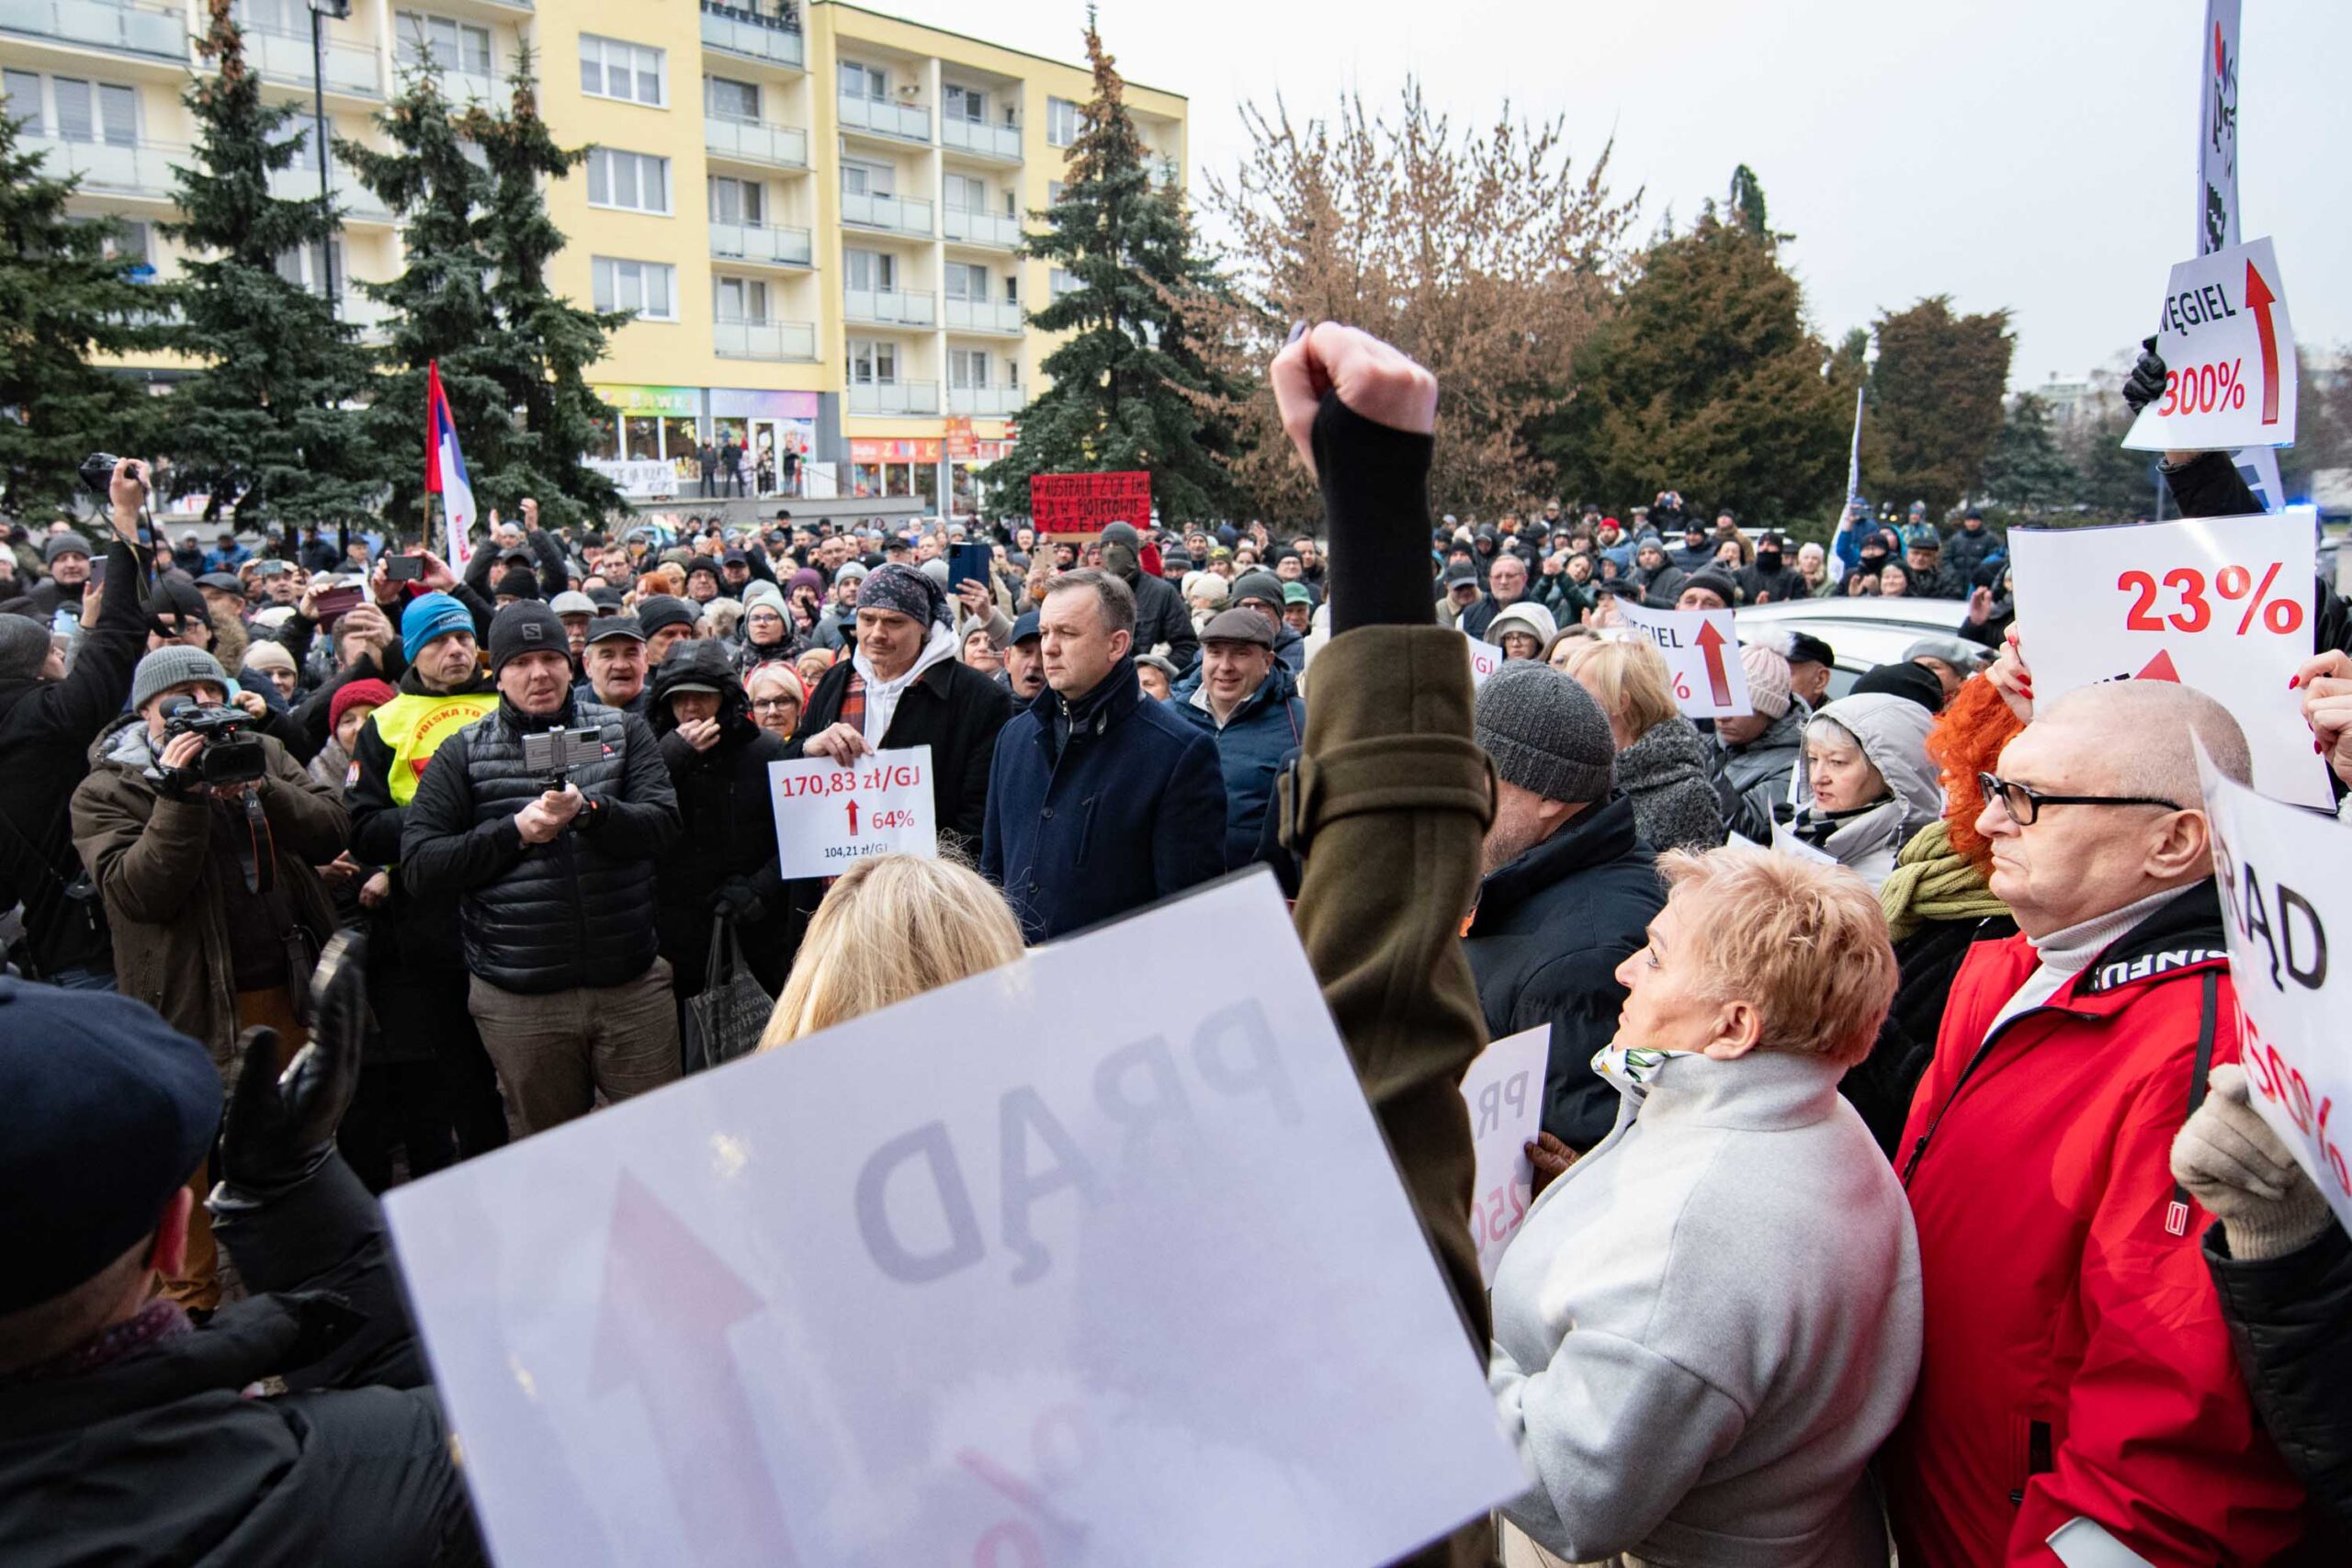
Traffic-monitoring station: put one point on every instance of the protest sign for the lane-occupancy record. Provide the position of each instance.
(2219, 604)
(1504, 1089)
(1085, 504)
(2217, 129)
(829, 816)
(1701, 649)
(2228, 353)
(2285, 879)
(1042, 1268)
(1485, 660)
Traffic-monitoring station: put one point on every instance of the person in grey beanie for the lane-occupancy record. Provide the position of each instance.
(1567, 886)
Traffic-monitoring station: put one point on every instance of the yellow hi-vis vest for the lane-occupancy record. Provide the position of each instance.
(415, 724)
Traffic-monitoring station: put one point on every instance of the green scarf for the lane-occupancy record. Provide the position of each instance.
(1932, 881)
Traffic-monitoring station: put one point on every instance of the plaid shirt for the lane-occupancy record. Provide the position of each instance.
(853, 702)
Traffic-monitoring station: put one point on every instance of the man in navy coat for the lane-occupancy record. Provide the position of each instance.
(1099, 803)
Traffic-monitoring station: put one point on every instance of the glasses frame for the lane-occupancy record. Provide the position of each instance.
(1994, 787)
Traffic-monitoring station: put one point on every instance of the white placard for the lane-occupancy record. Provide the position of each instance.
(1504, 1089)
(828, 816)
(2228, 353)
(1702, 650)
(1485, 660)
(2285, 879)
(2219, 604)
(1046, 1267)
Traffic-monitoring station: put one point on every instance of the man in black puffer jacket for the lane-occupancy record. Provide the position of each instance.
(1161, 617)
(556, 879)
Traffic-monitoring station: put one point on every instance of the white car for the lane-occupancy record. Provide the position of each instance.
(1862, 632)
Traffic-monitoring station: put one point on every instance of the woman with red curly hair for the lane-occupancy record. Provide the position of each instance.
(1937, 904)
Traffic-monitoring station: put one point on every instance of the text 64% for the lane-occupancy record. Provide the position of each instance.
(2194, 611)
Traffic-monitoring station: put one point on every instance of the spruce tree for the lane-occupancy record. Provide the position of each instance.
(2025, 469)
(62, 300)
(440, 303)
(546, 343)
(267, 424)
(1126, 388)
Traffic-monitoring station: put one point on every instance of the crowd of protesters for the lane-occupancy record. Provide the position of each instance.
(1891, 1034)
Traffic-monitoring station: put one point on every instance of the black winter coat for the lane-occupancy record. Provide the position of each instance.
(537, 919)
(727, 821)
(1880, 1088)
(1162, 616)
(1544, 943)
(46, 729)
(2290, 1319)
(159, 1457)
(952, 709)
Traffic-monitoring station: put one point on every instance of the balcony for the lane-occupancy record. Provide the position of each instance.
(890, 306)
(286, 59)
(983, 316)
(755, 141)
(733, 338)
(910, 398)
(373, 318)
(734, 29)
(898, 214)
(153, 30)
(1000, 144)
(908, 122)
(986, 403)
(759, 243)
(142, 171)
(965, 227)
(356, 201)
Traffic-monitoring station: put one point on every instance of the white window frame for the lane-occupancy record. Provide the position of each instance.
(751, 200)
(42, 115)
(969, 105)
(956, 192)
(411, 44)
(605, 167)
(306, 269)
(879, 269)
(867, 170)
(1061, 123)
(752, 300)
(964, 365)
(1053, 189)
(1012, 287)
(872, 82)
(614, 279)
(609, 51)
(712, 109)
(967, 281)
(1061, 281)
(879, 356)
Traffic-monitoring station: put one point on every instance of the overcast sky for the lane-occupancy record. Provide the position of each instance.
(2037, 156)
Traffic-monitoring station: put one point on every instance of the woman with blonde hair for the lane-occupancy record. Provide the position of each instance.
(891, 928)
(1661, 760)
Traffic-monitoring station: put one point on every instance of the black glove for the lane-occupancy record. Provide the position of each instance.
(2146, 383)
(281, 1126)
(736, 899)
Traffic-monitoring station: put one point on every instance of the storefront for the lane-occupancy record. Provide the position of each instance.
(967, 453)
(894, 466)
(776, 430)
(649, 448)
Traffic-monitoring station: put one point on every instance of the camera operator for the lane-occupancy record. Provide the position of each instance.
(47, 719)
(208, 882)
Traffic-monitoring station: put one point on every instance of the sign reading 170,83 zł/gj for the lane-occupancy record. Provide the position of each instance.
(829, 816)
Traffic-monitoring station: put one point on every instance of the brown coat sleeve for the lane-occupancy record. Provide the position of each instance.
(146, 852)
(1388, 805)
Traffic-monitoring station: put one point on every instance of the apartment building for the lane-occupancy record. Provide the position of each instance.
(812, 210)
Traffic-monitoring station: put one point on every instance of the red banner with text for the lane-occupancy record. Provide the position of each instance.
(1083, 504)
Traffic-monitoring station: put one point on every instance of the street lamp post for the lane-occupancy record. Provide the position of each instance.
(319, 11)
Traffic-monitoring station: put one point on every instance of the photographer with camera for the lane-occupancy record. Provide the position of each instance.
(546, 817)
(201, 833)
(49, 716)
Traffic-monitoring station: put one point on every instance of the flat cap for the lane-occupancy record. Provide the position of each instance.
(1238, 626)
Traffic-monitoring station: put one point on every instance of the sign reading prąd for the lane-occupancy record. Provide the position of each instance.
(829, 816)
(2219, 604)
(2286, 880)
(1042, 1268)
(1703, 653)
(1087, 504)
(1504, 1089)
(2228, 353)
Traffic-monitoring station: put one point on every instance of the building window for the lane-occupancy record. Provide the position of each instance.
(1063, 282)
(872, 363)
(873, 272)
(868, 82)
(728, 99)
(742, 299)
(447, 44)
(738, 202)
(287, 18)
(642, 287)
(966, 281)
(966, 194)
(130, 238)
(1061, 123)
(1053, 189)
(73, 109)
(1012, 288)
(306, 267)
(867, 180)
(634, 182)
(969, 103)
(967, 370)
(629, 72)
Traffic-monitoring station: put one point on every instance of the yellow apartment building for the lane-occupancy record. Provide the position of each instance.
(812, 210)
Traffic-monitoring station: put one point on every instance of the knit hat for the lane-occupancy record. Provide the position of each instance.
(518, 584)
(661, 610)
(1546, 732)
(351, 694)
(174, 664)
(1263, 585)
(265, 655)
(901, 588)
(1903, 679)
(1768, 680)
(24, 648)
(431, 615)
(767, 594)
(851, 571)
(1707, 577)
(701, 563)
(524, 627)
(67, 544)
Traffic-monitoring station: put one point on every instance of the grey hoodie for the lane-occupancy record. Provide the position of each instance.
(1892, 733)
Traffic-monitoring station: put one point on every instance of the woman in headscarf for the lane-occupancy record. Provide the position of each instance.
(1864, 783)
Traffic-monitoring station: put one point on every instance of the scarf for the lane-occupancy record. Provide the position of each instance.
(1932, 881)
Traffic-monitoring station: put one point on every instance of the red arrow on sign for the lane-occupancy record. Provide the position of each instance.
(2258, 299)
(1711, 644)
(853, 820)
(2160, 668)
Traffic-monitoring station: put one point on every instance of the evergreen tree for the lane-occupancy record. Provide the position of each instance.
(440, 302)
(267, 424)
(546, 343)
(1127, 389)
(62, 300)
(2025, 468)
(1936, 390)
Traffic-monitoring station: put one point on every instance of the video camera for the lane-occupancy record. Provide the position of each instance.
(552, 754)
(230, 755)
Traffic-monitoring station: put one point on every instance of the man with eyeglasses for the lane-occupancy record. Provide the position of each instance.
(2079, 1401)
